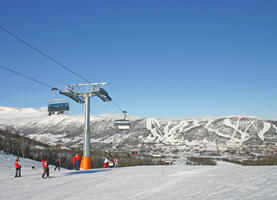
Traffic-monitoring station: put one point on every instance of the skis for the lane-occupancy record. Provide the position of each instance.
(44, 176)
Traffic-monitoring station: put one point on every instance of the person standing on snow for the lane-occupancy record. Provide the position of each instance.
(78, 161)
(18, 168)
(33, 166)
(74, 162)
(106, 163)
(45, 165)
(58, 164)
(115, 162)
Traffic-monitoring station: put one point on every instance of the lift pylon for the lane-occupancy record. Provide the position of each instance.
(81, 93)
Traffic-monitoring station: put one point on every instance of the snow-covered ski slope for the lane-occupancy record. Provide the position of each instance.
(224, 181)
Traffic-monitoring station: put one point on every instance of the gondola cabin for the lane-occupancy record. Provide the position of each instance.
(122, 124)
(58, 107)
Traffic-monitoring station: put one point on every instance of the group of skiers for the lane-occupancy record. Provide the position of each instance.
(76, 165)
(76, 161)
(45, 165)
(108, 163)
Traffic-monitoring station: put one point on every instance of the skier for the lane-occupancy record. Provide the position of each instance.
(58, 164)
(33, 166)
(78, 161)
(106, 163)
(115, 162)
(18, 168)
(74, 162)
(45, 165)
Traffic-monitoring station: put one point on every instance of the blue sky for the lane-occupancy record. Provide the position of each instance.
(171, 58)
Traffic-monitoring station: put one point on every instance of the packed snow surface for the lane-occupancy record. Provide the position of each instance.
(224, 181)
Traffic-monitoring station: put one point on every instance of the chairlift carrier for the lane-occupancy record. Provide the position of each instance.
(122, 124)
(57, 105)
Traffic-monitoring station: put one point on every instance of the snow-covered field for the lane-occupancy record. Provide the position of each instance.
(224, 181)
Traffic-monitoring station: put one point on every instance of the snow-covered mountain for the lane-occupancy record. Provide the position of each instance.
(145, 134)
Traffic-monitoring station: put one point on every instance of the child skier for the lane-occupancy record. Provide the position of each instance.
(115, 162)
(106, 163)
(58, 164)
(45, 165)
(18, 168)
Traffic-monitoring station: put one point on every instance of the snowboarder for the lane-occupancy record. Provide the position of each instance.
(18, 168)
(45, 165)
(115, 162)
(106, 163)
(58, 164)
(78, 161)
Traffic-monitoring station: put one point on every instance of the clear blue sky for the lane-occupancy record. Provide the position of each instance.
(173, 58)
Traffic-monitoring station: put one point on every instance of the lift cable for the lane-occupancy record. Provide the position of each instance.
(49, 57)
(27, 77)
(117, 105)
(42, 53)
(32, 79)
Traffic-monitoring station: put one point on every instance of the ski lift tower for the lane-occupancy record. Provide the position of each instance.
(81, 93)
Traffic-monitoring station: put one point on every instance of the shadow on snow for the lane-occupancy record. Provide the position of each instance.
(91, 171)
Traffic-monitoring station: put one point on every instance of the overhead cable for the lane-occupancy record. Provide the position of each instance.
(27, 77)
(117, 105)
(42, 53)
(50, 58)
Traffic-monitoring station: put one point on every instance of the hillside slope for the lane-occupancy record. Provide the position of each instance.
(145, 134)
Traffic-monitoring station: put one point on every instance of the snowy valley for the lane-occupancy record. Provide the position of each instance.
(224, 136)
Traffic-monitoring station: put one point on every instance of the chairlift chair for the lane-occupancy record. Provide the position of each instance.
(122, 124)
(57, 105)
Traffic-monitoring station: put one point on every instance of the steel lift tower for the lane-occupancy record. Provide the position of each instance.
(81, 93)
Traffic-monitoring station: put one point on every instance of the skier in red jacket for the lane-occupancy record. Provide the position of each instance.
(115, 162)
(78, 161)
(18, 168)
(45, 165)
(106, 163)
(74, 162)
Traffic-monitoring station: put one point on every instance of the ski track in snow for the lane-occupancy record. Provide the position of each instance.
(216, 131)
(246, 136)
(267, 126)
(169, 133)
(243, 134)
(275, 128)
(224, 181)
(149, 123)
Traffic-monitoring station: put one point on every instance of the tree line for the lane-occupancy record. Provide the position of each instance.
(21, 146)
(267, 160)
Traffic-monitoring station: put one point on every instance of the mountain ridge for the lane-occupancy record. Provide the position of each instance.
(145, 134)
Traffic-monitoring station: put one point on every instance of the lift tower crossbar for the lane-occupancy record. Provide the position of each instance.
(81, 93)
